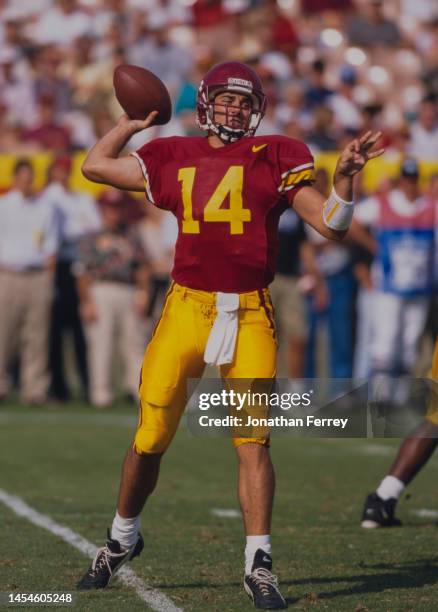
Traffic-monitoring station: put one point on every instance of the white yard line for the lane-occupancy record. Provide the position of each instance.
(376, 449)
(155, 599)
(225, 513)
(425, 513)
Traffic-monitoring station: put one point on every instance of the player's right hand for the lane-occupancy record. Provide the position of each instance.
(136, 125)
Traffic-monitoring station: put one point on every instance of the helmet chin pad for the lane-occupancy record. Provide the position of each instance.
(223, 130)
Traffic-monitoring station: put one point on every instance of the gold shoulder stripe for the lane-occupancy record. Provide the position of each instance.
(298, 168)
(292, 179)
(296, 177)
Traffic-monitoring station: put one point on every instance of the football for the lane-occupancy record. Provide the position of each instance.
(140, 92)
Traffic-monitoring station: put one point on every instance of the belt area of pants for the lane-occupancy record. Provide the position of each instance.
(251, 300)
(26, 270)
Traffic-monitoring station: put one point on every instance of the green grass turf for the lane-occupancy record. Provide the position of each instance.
(65, 462)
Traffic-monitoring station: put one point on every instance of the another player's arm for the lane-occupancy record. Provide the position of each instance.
(332, 217)
(87, 306)
(103, 164)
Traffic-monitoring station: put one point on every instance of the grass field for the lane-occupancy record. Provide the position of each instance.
(65, 463)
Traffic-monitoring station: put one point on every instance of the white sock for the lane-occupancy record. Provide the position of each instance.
(390, 487)
(253, 543)
(125, 530)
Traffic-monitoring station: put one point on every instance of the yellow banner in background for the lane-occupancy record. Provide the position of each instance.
(379, 170)
(41, 164)
(375, 172)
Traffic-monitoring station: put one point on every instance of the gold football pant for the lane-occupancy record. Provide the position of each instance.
(176, 354)
(432, 412)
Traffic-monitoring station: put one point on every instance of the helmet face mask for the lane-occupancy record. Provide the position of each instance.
(232, 118)
(236, 78)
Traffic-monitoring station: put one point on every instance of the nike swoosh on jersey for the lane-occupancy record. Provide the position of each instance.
(257, 148)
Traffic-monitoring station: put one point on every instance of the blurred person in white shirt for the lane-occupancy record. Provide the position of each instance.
(345, 108)
(29, 237)
(61, 24)
(424, 132)
(16, 93)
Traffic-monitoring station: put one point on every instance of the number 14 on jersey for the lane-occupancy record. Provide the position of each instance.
(230, 185)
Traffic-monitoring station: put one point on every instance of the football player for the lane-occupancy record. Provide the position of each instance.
(413, 454)
(227, 191)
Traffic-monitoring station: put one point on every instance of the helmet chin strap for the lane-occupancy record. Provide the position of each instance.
(227, 134)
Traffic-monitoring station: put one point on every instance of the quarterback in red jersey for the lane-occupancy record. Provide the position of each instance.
(228, 202)
(227, 191)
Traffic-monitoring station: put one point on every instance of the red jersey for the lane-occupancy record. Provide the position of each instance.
(228, 202)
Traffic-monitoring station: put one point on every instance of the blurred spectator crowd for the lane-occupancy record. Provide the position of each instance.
(331, 67)
(99, 269)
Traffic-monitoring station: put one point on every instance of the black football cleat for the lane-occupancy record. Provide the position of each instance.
(262, 586)
(379, 513)
(108, 560)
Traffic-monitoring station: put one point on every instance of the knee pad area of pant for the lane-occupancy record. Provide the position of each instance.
(151, 441)
(262, 441)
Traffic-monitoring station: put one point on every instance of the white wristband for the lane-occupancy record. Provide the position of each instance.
(337, 213)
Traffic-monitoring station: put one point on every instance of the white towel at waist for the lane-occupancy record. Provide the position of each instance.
(222, 339)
